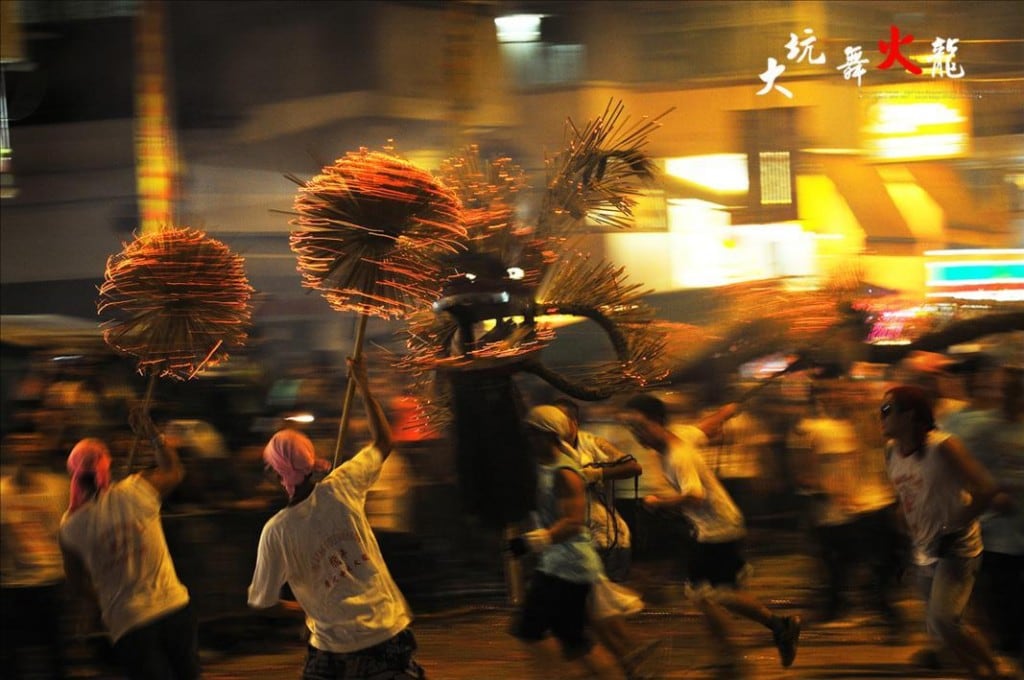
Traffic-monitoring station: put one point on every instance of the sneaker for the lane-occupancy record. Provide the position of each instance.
(786, 633)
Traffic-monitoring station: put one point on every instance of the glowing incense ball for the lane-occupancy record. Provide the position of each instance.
(176, 300)
(369, 230)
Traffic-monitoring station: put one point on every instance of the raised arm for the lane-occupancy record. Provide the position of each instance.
(380, 429)
(711, 424)
(169, 471)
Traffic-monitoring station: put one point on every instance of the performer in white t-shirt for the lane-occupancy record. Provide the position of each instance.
(112, 535)
(322, 546)
(716, 573)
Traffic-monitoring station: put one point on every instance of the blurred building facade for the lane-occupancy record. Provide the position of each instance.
(794, 173)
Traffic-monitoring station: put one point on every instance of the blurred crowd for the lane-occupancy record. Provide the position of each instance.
(803, 453)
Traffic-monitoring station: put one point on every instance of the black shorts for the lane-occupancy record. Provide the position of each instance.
(717, 564)
(164, 647)
(556, 605)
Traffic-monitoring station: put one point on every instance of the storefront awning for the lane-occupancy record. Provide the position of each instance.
(864, 191)
(962, 207)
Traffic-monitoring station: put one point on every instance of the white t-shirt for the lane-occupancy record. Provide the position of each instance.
(120, 539)
(606, 530)
(716, 519)
(30, 522)
(324, 548)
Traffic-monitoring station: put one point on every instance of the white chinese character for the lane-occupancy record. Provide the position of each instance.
(803, 48)
(773, 71)
(854, 66)
(943, 56)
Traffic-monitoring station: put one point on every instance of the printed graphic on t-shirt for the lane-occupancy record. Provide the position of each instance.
(341, 557)
(908, 486)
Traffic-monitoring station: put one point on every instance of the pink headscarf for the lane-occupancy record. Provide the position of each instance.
(291, 455)
(90, 457)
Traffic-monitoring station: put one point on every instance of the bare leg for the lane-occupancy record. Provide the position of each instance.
(614, 635)
(546, 662)
(972, 650)
(600, 662)
(544, 656)
(717, 620)
(746, 605)
(785, 630)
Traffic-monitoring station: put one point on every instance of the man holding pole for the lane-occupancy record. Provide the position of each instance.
(322, 546)
(113, 541)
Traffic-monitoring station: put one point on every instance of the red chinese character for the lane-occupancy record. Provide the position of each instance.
(892, 50)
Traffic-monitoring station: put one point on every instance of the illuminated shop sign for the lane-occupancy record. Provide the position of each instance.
(924, 122)
(976, 274)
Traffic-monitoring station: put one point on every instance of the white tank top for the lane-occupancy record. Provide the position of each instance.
(933, 497)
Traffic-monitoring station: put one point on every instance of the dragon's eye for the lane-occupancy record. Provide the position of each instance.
(515, 273)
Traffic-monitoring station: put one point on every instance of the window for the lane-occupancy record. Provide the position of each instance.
(540, 49)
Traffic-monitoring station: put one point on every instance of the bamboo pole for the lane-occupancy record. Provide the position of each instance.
(350, 389)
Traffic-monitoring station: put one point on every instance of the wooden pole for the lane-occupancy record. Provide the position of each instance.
(350, 389)
(145, 408)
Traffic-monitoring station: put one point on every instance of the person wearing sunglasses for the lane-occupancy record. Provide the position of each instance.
(942, 491)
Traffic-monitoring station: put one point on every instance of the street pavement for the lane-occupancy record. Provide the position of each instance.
(467, 639)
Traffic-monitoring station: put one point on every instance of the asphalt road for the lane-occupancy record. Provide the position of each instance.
(467, 640)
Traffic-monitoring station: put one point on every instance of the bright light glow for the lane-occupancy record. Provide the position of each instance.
(904, 313)
(906, 118)
(974, 272)
(470, 276)
(997, 295)
(829, 151)
(301, 418)
(931, 121)
(770, 231)
(948, 144)
(976, 251)
(558, 320)
(518, 27)
(932, 58)
(516, 273)
(695, 203)
(722, 172)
